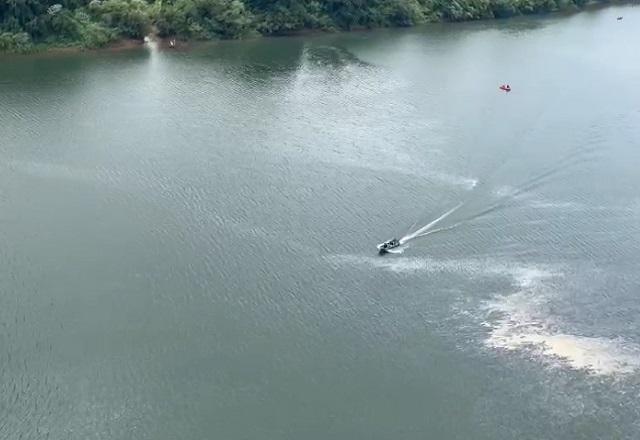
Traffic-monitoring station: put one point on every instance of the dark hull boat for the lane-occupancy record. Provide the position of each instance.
(383, 248)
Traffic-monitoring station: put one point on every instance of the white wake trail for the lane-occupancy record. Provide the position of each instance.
(421, 232)
(435, 231)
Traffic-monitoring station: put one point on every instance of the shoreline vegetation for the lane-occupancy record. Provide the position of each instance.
(39, 25)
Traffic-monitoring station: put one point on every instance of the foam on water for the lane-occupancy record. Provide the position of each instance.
(470, 267)
(520, 321)
(467, 183)
(598, 356)
(548, 204)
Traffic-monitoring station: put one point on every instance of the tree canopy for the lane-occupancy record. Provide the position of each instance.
(95, 23)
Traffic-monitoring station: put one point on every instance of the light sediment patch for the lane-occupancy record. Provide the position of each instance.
(521, 321)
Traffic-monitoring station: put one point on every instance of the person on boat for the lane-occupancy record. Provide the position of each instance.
(383, 248)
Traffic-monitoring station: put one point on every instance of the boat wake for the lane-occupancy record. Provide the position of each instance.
(504, 199)
(427, 229)
(521, 318)
(520, 321)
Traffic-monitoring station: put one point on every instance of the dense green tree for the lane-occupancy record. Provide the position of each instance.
(285, 16)
(131, 18)
(95, 23)
(205, 19)
(403, 13)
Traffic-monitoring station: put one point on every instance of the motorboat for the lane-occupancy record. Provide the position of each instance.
(383, 248)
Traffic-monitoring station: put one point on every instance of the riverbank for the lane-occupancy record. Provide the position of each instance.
(101, 28)
(53, 49)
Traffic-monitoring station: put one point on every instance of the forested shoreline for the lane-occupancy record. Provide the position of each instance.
(29, 24)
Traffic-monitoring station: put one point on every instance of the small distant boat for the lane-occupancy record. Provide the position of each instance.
(505, 87)
(383, 248)
(619, 18)
(172, 42)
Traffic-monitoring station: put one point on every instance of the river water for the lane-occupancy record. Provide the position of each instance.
(187, 237)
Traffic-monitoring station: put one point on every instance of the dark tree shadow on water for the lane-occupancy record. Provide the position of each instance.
(47, 73)
(253, 60)
(334, 56)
